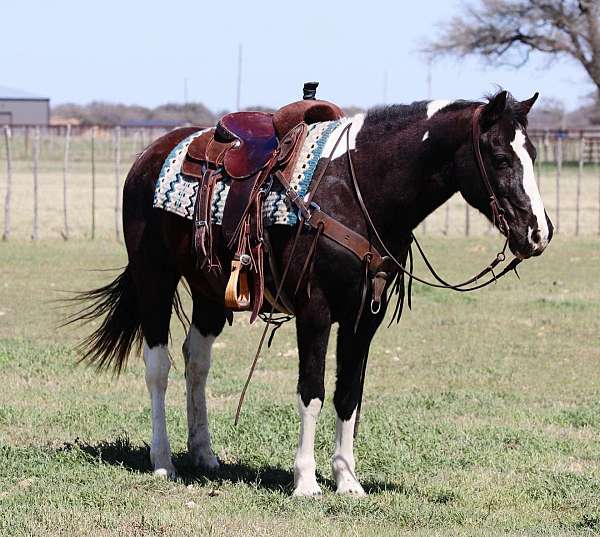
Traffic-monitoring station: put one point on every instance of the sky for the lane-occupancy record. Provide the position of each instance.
(140, 52)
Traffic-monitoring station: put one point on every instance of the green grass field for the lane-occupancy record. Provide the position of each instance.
(481, 413)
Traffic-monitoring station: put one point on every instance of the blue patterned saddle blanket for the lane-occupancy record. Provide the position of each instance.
(176, 192)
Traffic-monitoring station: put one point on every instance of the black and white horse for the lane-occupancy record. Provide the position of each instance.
(409, 160)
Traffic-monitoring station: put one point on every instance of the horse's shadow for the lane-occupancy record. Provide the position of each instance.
(136, 458)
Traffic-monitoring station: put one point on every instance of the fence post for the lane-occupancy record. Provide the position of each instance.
(579, 177)
(559, 158)
(36, 162)
(7, 199)
(467, 220)
(117, 155)
(597, 169)
(65, 233)
(93, 148)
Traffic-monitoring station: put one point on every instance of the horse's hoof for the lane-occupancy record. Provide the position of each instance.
(166, 473)
(307, 489)
(208, 463)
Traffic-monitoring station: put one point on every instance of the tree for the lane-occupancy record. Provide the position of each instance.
(505, 32)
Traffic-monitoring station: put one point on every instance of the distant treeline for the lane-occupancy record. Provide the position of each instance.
(547, 114)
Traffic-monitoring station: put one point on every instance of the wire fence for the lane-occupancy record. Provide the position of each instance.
(66, 181)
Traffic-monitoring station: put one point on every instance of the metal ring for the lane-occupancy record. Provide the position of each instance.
(245, 259)
(500, 256)
(374, 310)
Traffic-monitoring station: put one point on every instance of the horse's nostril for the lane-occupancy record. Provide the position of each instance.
(536, 236)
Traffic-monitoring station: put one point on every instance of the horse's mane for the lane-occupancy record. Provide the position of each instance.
(402, 115)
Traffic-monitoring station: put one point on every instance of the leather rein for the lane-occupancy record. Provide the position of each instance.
(498, 219)
(310, 214)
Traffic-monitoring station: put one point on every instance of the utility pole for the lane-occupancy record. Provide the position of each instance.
(239, 78)
(429, 92)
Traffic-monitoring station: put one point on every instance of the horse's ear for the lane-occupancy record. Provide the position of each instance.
(528, 103)
(494, 109)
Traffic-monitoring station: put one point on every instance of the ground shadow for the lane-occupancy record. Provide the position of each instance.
(136, 458)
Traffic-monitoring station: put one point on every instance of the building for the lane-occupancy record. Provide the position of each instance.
(21, 108)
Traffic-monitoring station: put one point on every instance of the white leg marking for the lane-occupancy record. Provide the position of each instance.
(342, 463)
(425, 136)
(433, 107)
(197, 353)
(157, 376)
(305, 466)
(531, 188)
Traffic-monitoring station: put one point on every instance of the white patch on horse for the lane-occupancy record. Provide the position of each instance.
(425, 136)
(342, 462)
(157, 377)
(357, 123)
(433, 107)
(305, 466)
(531, 188)
(197, 352)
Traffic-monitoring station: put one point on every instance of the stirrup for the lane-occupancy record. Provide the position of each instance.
(237, 292)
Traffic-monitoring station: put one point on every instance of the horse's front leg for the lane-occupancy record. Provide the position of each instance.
(313, 324)
(352, 349)
(207, 323)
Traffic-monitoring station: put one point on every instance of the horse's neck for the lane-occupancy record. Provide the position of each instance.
(415, 170)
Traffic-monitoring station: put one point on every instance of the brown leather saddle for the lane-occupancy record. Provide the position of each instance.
(249, 148)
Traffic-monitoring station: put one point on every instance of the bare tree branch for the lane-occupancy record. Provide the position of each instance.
(507, 31)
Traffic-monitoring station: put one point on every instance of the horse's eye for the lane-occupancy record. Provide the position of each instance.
(500, 161)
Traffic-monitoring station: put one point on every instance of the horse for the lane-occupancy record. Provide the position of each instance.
(406, 161)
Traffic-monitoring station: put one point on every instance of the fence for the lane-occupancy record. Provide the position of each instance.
(63, 181)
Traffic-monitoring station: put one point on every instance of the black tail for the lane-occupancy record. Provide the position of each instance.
(110, 344)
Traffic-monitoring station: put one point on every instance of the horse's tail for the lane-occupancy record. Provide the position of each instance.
(109, 345)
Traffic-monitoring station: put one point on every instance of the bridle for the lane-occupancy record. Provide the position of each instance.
(498, 219)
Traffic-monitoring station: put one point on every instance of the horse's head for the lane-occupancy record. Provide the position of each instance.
(508, 158)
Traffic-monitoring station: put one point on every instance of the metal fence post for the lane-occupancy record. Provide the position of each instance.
(7, 199)
(579, 178)
(117, 157)
(559, 158)
(65, 233)
(93, 148)
(36, 162)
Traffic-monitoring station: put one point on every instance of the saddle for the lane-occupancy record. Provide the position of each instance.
(253, 149)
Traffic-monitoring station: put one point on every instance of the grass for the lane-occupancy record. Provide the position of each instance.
(481, 413)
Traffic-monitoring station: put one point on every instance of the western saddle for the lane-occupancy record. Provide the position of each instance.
(253, 148)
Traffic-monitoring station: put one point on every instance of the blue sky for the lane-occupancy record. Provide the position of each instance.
(140, 52)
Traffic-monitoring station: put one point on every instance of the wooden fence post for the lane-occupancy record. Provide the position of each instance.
(93, 148)
(36, 163)
(7, 199)
(467, 220)
(579, 177)
(65, 233)
(597, 169)
(117, 155)
(559, 158)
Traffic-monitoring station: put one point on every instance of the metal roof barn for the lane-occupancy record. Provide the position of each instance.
(21, 108)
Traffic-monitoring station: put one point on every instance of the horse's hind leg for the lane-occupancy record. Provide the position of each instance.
(156, 287)
(208, 320)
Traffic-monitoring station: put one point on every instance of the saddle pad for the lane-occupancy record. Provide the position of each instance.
(176, 193)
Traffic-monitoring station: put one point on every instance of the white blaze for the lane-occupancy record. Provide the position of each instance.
(530, 187)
